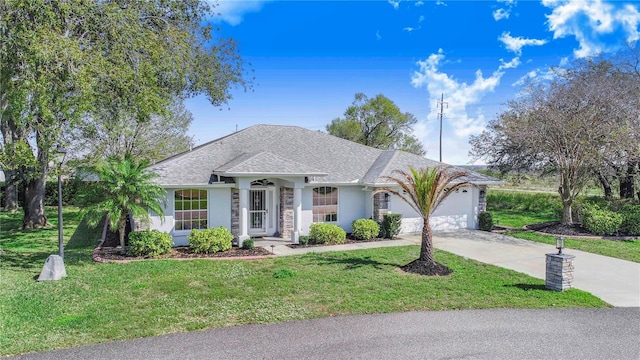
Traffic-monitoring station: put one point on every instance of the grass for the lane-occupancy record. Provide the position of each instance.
(103, 302)
(517, 209)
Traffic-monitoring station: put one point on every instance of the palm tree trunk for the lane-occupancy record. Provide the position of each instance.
(122, 224)
(426, 249)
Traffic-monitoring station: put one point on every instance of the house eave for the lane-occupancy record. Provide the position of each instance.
(268, 174)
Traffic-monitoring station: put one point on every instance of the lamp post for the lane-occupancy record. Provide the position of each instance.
(559, 244)
(54, 265)
(60, 156)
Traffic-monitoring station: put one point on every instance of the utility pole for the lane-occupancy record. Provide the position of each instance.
(442, 103)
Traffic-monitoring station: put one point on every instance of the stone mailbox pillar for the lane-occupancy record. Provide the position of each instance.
(559, 275)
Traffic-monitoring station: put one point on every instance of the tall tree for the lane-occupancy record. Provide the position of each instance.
(377, 122)
(125, 187)
(69, 59)
(424, 190)
(568, 125)
(99, 137)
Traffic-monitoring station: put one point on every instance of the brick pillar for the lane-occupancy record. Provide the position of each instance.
(286, 212)
(235, 213)
(559, 275)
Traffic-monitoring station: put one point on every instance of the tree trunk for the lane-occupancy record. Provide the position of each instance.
(627, 181)
(122, 226)
(34, 214)
(567, 201)
(426, 249)
(606, 186)
(10, 191)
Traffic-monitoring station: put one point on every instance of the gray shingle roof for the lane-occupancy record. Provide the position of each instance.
(273, 149)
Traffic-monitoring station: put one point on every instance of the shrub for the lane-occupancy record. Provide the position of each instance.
(303, 239)
(210, 240)
(600, 221)
(323, 233)
(364, 229)
(390, 225)
(630, 219)
(485, 221)
(248, 244)
(149, 243)
(284, 274)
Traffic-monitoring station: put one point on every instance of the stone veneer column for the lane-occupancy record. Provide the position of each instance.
(559, 276)
(286, 212)
(378, 213)
(235, 213)
(482, 199)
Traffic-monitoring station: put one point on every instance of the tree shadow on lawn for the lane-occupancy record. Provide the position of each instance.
(527, 287)
(351, 262)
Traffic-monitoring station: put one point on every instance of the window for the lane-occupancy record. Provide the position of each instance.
(190, 209)
(325, 204)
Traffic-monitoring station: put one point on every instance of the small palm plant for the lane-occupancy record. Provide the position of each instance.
(424, 190)
(125, 187)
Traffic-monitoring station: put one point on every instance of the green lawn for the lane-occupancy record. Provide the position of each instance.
(103, 302)
(517, 209)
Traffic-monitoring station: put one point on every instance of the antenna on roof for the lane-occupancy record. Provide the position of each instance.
(236, 127)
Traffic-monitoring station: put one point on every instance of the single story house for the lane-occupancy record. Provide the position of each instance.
(270, 180)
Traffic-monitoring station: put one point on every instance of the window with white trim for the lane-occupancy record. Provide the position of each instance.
(190, 209)
(325, 204)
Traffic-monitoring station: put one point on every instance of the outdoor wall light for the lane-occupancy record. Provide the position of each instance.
(559, 244)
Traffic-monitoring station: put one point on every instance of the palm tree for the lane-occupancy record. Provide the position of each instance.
(125, 187)
(424, 190)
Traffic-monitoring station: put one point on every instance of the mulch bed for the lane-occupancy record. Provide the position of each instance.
(422, 267)
(558, 228)
(110, 250)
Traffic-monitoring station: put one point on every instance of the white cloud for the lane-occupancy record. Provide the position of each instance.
(419, 3)
(232, 12)
(459, 96)
(504, 13)
(501, 14)
(536, 76)
(395, 4)
(378, 36)
(421, 18)
(410, 29)
(514, 63)
(440, 2)
(590, 21)
(516, 44)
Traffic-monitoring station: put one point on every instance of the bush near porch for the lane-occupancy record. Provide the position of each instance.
(323, 233)
(210, 240)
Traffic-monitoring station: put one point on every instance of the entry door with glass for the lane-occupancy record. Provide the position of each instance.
(257, 211)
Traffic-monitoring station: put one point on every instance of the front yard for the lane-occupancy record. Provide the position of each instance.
(103, 302)
(514, 210)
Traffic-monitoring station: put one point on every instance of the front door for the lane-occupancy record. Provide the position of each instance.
(257, 211)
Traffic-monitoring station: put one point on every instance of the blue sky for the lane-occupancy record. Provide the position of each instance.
(310, 57)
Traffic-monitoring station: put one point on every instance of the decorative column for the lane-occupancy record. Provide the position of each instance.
(297, 215)
(244, 216)
(559, 275)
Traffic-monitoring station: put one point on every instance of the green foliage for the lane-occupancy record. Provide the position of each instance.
(600, 221)
(248, 244)
(523, 201)
(323, 233)
(303, 239)
(364, 229)
(210, 240)
(125, 187)
(630, 219)
(390, 225)
(149, 243)
(371, 121)
(284, 274)
(485, 221)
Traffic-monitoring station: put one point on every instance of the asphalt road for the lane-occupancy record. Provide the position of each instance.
(474, 334)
